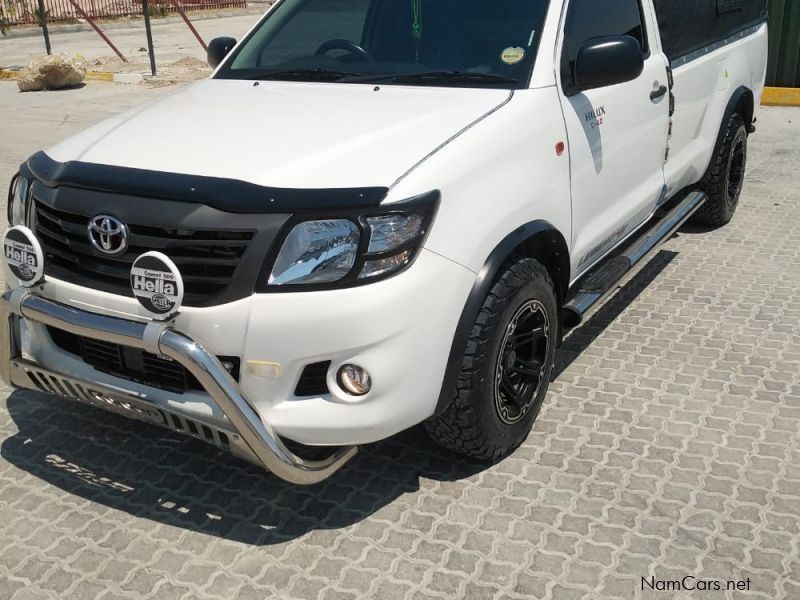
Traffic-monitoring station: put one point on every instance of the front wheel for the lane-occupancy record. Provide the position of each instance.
(506, 368)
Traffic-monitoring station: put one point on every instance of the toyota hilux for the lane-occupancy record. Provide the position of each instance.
(374, 214)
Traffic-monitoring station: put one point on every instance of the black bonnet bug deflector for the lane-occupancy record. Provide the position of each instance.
(689, 25)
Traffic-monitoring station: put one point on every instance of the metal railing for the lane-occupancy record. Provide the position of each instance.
(20, 12)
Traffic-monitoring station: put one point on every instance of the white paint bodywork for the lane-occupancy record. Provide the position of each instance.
(492, 155)
(284, 134)
(394, 331)
(617, 138)
(702, 90)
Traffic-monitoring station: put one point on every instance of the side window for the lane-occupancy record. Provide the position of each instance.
(588, 19)
(688, 25)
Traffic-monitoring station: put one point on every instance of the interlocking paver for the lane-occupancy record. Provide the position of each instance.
(668, 446)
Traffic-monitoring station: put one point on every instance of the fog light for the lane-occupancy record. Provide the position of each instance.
(354, 380)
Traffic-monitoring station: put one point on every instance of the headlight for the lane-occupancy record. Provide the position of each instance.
(317, 252)
(352, 249)
(18, 195)
(392, 231)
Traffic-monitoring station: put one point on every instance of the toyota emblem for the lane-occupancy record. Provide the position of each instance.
(108, 234)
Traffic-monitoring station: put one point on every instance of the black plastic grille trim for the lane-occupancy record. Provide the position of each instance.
(207, 259)
(133, 364)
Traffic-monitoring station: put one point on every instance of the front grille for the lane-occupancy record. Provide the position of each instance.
(132, 363)
(207, 259)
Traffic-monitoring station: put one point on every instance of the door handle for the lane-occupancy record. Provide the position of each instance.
(659, 93)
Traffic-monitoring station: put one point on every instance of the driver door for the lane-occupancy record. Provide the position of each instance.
(617, 134)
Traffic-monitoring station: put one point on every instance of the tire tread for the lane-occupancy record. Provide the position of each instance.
(716, 212)
(459, 427)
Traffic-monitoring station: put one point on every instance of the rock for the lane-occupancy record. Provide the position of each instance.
(53, 73)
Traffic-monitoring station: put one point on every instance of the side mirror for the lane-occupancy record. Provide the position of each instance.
(605, 61)
(218, 49)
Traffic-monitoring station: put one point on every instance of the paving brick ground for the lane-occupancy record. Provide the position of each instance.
(669, 446)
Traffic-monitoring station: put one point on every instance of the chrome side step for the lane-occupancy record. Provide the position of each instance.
(603, 278)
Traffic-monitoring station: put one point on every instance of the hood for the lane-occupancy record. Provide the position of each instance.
(279, 134)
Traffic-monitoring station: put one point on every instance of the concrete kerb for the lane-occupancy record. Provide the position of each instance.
(15, 73)
(775, 96)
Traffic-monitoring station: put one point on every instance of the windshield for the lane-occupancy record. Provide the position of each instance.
(471, 43)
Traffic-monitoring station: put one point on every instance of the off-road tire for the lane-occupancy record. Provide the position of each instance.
(723, 183)
(472, 424)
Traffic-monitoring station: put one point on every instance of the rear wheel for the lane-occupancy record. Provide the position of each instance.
(506, 368)
(726, 177)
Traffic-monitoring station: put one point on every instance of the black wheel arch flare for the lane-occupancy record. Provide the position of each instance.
(741, 101)
(537, 239)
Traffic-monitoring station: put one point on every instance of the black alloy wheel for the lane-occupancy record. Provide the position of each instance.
(505, 367)
(521, 365)
(735, 176)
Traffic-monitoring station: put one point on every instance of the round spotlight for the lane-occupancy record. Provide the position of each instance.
(354, 380)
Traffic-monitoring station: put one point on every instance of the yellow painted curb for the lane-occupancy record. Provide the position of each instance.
(781, 96)
(90, 75)
(99, 76)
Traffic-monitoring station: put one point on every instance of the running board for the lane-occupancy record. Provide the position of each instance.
(602, 279)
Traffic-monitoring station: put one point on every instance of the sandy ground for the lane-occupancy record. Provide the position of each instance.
(179, 56)
(188, 68)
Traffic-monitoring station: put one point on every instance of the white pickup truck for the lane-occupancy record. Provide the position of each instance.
(375, 213)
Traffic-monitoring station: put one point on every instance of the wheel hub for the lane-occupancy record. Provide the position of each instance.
(511, 358)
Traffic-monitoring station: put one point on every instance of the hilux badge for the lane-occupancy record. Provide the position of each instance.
(108, 234)
(24, 255)
(157, 284)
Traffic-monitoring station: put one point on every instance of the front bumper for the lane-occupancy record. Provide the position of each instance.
(247, 434)
(399, 329)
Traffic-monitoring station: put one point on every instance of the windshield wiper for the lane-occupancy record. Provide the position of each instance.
(303, 75)
(434, 77)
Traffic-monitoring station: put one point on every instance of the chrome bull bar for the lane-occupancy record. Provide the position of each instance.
(161, 339)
